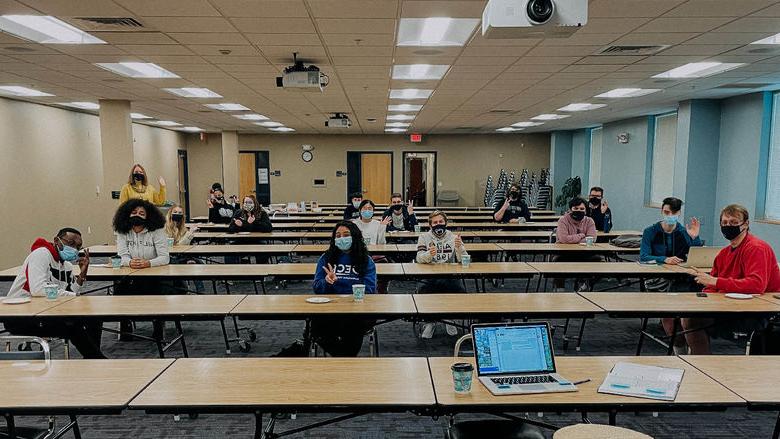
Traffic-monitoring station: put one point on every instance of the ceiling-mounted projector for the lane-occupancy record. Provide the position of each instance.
(509, 19)
(338, 120)
(298, 77)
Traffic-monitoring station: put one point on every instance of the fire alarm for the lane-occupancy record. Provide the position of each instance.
(415, 138)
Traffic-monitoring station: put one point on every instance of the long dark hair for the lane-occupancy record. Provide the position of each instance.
(154, 218)
(358, 252)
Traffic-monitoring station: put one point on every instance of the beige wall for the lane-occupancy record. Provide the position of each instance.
(51, 168)
(157, 150)
(464, 161)
(204, 160)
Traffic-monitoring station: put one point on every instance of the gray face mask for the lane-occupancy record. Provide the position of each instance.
(249, 207)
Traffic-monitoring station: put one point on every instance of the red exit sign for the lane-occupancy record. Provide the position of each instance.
(415, 138)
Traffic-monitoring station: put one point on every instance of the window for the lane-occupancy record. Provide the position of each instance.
(662, 165)
(594, 173)
(772, 205)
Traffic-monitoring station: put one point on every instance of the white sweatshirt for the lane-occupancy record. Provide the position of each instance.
(39, 268)
(152, 246)
(373, 231)
(445, 249)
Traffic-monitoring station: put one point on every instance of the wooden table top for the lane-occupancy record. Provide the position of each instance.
(251, 235)
(239, 249)
(771, 297)
(296, 305)
(600, 268)
(290, 384)
(508, 234)
(110, 249)
(470, 247)
(96, 272)
(747, 376)
(676, 303)
(475, 268)
(544, 247)
(70, 386)
(36, 306)
(190, 271)
(321, 248)
(696, 389)
(453, 305)
(169, 305)
(615, 233)
(307, 269)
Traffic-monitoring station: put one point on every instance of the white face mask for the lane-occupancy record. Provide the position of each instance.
(356, 204)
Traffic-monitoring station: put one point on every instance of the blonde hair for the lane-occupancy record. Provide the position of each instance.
(172, 229)
(436, 213)
(130, 180)
(735, 210)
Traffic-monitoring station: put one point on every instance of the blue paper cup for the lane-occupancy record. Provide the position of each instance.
(51, 291)
(358, 292)
(462, 374)
(589, 241)
(170, 242)
(465, 260)
(116, 262)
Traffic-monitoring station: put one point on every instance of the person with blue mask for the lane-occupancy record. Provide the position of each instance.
(344, 264)
(373, 231)
(54, 262)
(668, 241)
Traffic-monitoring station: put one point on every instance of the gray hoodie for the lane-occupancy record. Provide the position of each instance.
(152, 246)
(445, 249)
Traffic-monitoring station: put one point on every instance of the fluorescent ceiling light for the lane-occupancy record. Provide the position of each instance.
(21, 91)
(395, 130)
(282, 129)
(774, 39)
(191, 129)
(410, 93)
(137, 70)
(82, 105)
(228, 107)
(167, 123)
(422, 72)
(397, 124)
(581, 106)
(139, 116)
(252, 116)
(550, 117)
(435, 31)
(627, 93)
(698, 70)
(269, 124)
(508, 129)
(193, 92)
(45, 29)
(526, 124)
(404, 107)
(400, 117)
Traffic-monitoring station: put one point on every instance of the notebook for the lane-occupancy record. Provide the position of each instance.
(653, 382)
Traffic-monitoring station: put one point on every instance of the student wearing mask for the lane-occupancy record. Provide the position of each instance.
(352, 211)
(141, 242)
(598, 209)
(373, 231)
(53, 262)
(344, 264)
(176, 229)
(746, 265)
(439, 246)
(573, 228)
(220, 210)
(401, 216)
(138, 187)
(514, 209)
(250, 218)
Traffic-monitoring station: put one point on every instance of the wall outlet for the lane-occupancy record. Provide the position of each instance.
(501, 156)
(97, 191)
(89, 230)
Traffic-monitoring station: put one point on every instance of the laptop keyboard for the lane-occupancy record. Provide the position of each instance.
(531, 379)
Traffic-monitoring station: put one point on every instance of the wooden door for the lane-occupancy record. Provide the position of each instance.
(376, 172)
(247, 174)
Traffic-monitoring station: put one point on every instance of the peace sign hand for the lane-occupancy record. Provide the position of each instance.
(410, 207)
(330, 274)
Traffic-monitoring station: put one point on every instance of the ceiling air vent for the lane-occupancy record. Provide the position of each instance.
(98, 24)
(467, 128)
(500, 111)
(630, 50)
(744, 85)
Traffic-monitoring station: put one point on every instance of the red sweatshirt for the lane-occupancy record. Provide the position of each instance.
(749, 268)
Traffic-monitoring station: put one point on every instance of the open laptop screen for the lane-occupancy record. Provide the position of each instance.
(513, 349)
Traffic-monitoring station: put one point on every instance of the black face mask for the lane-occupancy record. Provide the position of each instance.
(514, 195)
(136, 220)
(138, 176)
(577, 215)
(439, 230)
(219, 197)
(595, 201)
(398, 207)
(730, 232)
(176, 217)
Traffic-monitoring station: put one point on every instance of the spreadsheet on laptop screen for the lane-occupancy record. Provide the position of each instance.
(513, 349)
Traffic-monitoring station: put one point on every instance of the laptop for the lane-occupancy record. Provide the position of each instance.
(701, 257)
(517, 358)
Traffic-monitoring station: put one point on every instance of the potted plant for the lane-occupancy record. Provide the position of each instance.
(571, 188)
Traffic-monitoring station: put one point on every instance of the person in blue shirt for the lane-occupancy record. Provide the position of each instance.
(599, 210)
(344, 264)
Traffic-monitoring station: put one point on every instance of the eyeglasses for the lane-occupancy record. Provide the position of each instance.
(731, 223)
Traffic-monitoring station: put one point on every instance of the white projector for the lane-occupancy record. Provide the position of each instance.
(510, 19)
(309, 80)
(338, 121)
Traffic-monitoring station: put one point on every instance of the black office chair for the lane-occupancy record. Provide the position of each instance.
(15, 348)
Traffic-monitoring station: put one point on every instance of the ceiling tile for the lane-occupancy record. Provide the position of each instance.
(80, 8)
(273, 25)
(261, 8)
(439, 8)
(284, 39)
(171, 8)
(717, 8)
(353, 8)
(356, 26)
(630, 8)
(187, 24)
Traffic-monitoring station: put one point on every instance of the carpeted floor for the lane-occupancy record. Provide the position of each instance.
(603, 336)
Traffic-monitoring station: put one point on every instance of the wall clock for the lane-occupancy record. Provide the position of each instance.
(307, 156)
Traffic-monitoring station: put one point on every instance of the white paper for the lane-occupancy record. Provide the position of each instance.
(262, 176)
(642, 381)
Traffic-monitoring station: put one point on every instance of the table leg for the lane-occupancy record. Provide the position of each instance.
(582, 331)
(675, 329)
(9, 420)
(258, 425)
(776, 433)
(641, 337)
(612, 417)
(225, 336)
(177, 323)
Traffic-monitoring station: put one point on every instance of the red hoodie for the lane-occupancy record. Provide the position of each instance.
(751, 268)
(40, 243)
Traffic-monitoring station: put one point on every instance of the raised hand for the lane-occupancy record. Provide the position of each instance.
(458, 241)
(251, 219)
(604, 206)
(161, 181)
(385, 221)
(410, 207)
(330, 274)
(432, 249)
(693, 228)
(238, 222)
(209, 203)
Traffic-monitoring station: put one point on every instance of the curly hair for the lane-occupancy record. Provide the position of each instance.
(154, 218)
(358, 252)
